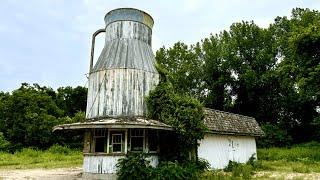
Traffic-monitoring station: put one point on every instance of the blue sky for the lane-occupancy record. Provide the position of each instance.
(48, 41)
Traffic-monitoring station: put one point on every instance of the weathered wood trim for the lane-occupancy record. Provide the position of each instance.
(87, 141)
(111, 126)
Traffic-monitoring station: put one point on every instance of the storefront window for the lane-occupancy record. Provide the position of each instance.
(99, 139)
(137, 139)
(153, 140)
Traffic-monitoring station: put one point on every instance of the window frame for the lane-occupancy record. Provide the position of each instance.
(125, 133)
(96, 136)
(147, 140)
(143, 136)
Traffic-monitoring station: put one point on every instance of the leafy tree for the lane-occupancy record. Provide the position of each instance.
(184, 68)
(28, 117)
(4, 144)
(180, 111)
(298, 43)
(267, 73)
(28, 114)
(72, 100)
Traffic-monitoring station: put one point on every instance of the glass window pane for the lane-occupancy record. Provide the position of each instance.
(116, 141)
(99, 145)
(152, 140)
(136, 143)
(117, 148)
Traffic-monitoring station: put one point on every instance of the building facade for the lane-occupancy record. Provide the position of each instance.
(116, 121)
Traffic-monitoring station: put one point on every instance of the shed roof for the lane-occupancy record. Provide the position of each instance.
(221, 122)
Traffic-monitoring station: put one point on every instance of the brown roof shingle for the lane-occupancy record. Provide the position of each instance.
(221, 122)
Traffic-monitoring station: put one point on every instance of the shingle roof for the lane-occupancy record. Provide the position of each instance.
(221, 122)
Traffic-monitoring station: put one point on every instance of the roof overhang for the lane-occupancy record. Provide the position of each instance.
(115, 123)
(233, 133)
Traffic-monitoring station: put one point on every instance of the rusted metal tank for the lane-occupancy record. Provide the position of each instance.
(125, 70)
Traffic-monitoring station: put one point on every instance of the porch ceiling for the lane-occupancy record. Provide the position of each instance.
(116, 123)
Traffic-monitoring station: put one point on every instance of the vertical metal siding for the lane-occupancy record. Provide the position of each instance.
(122, 92)
(218, 150)
(107, 164)
(124, 73)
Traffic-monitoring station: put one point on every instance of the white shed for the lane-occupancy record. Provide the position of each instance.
(231, 137)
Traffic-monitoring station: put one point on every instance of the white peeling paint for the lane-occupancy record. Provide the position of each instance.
(219, 149)
(119, 92)
(107, 164)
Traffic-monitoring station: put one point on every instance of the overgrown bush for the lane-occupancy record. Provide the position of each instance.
(136, 166)
(4, 144)
(243, 171)
(181, 111)
(57, 149)
(275, 136)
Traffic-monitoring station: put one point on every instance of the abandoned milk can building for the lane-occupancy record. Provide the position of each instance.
(116, 121)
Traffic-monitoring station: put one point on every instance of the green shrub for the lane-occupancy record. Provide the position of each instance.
(4, 144)
(176, 170)
(182, 112)
(243, 171)
(171, 170)
(231, 165)
(276, 136)
(254, 162)
(134, 166)
(57, 149)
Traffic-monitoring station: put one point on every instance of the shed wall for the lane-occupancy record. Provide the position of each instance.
(219, 149)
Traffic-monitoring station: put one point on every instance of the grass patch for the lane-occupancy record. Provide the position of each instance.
(54, 157)
(298, 162)
(308, 152)
(303, 158)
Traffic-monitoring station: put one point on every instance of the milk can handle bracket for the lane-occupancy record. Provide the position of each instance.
(92, 46)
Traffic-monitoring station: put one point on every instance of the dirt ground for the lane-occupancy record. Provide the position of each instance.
(60, 173)
(75, 173)
(286, 175)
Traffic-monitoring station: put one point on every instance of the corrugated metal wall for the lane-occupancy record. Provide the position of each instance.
(124, 73)
(119, 92)
(219, 149)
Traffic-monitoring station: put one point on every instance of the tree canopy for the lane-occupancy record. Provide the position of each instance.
(28, 114)
(267, 73)
(271, 74)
